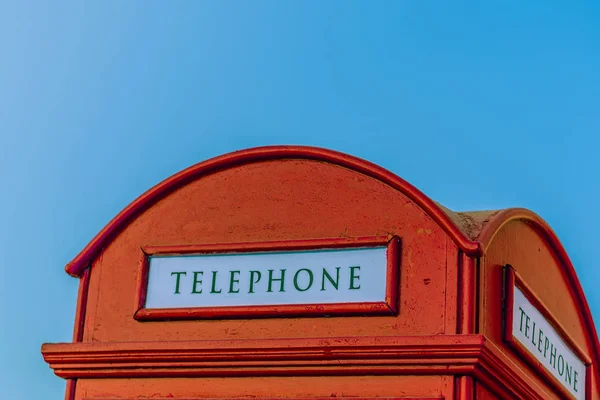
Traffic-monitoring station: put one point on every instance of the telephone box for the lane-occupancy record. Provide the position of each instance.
(302, 273)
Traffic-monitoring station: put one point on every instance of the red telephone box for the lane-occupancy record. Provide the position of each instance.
(304, 273)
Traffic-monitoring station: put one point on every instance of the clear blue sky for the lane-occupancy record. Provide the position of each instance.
(482, 105)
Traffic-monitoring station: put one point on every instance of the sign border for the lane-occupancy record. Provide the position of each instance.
(511, 280)
(387, 307)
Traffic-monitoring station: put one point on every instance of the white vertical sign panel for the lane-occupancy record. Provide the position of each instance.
(536, 334)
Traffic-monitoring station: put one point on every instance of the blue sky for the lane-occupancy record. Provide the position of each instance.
(480, 105)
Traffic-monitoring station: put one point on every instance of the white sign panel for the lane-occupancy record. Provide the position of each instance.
(533, 331)
(275, 278)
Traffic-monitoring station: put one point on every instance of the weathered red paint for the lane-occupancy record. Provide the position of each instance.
(445, 340)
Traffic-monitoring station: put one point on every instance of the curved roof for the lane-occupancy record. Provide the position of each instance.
(456, 225)
(471, 231)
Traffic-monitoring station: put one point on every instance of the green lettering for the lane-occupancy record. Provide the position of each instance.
(569, 374)
(310, 280)
(232, 280)
(280, 280)
(561, 365)
(252, 281)
(522, 314)
(196, 281)
(553, 355)
(575, 381)
(527, 320)
(330, 279)
(213, 289)
(177, 279)
(546, 345)
(354, 277)
(540, 335)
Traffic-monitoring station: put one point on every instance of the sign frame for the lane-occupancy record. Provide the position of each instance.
(389, 306)
(511, 280)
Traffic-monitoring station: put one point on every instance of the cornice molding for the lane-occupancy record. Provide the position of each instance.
(470, 355)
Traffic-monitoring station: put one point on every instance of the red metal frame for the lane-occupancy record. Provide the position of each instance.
(387, 307)
(512, 280)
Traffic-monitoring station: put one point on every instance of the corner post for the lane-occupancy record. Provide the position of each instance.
(467, 316)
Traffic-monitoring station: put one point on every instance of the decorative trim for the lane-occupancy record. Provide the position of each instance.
(448, 355)
(260, 357)
(512, 279)
(259, 154)
(387, 307)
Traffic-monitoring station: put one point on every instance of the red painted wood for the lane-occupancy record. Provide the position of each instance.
(387, 307)
(76, 266)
